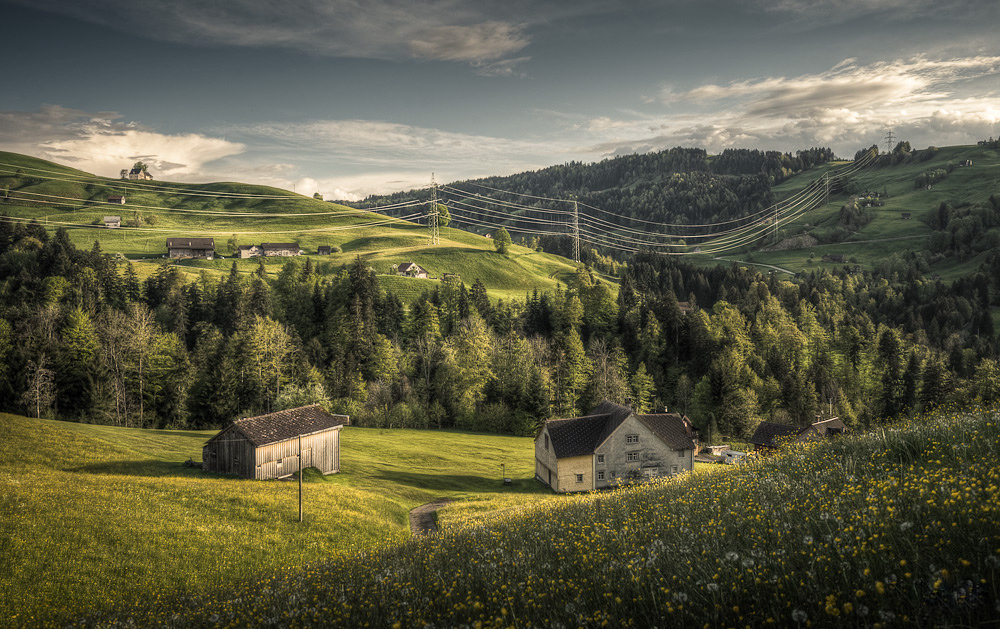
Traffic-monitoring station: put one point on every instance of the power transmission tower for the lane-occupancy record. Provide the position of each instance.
(889, 141)
(432, 214)
(576, 232)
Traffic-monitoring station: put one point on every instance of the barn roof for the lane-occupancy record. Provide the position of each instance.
(273, 246)
(579, 436)
(190, 243)
(767, 432)
(288, 424)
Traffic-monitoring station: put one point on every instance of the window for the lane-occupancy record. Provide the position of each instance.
(612, 473)
(632, 456)
(600, 475)
(600, 458)
(546, 441)
(579, 478)
(681, 453)
(631, 438)
(673, 469)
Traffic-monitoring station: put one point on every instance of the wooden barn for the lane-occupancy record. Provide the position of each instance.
(267, 446)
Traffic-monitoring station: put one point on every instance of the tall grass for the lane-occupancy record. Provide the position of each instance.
(896, 526)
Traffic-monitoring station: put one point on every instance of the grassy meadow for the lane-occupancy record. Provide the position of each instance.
(93, 517)
(58, 196)
(892, 527)
(888, 232)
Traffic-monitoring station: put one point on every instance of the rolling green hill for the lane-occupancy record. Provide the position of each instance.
(99, 516)
(58, 196)
(888, 232)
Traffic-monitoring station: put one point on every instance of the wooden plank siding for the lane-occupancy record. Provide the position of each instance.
(231, 453)
(281, 459)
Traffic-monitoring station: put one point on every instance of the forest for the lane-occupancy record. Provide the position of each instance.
(82, 338)
(680, 186)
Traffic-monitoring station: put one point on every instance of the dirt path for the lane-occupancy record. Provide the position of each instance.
(422, 518)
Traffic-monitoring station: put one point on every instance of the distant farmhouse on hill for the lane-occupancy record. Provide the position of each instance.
(191, 248)
(411, 269)
(268, 250)
(112, 222)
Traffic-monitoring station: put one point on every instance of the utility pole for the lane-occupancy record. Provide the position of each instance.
(300, 478)
(889, 141)
(432, 214)
(576, 232)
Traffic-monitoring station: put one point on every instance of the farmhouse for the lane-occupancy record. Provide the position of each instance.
(770, 435)
(267, 446)
(116, 200)
(248, 251)
(269, 249)
(411, 269)
(191, 248)
(610, 446)
(138, 173)
(112, 222)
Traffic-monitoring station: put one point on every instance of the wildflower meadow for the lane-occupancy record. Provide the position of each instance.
(896, 526)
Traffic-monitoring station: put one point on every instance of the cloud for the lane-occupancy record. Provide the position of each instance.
(100, 143)
(476, 43)
(442, 30)
(846, 107)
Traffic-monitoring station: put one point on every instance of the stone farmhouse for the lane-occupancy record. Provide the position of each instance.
(112, 222)
(278, 444)
(612, 445)
(140, 174)
(191, 248)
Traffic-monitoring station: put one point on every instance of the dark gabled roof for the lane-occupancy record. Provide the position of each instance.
(280, 245)
(670, 428)
(406, 266)
(767, 432)
(579, 436)
(576, 436)
(289, 424)
(190, 243)
(616, 414)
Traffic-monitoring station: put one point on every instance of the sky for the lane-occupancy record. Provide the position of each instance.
(350, 98)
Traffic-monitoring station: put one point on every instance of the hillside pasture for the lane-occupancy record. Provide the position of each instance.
(100, 516)
(895, 527)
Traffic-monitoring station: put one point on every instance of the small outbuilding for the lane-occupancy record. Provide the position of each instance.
(116, 200)
(267, 446)
(112, 222)
(771, 435)
(323, 250)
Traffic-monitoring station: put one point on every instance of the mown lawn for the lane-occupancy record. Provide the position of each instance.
(99, 516)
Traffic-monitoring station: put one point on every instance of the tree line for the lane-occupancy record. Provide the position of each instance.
(82, 338)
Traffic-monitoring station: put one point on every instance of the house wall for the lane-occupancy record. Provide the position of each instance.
(546, 468)
(655, 458)
(569, 467)
(178, 252)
